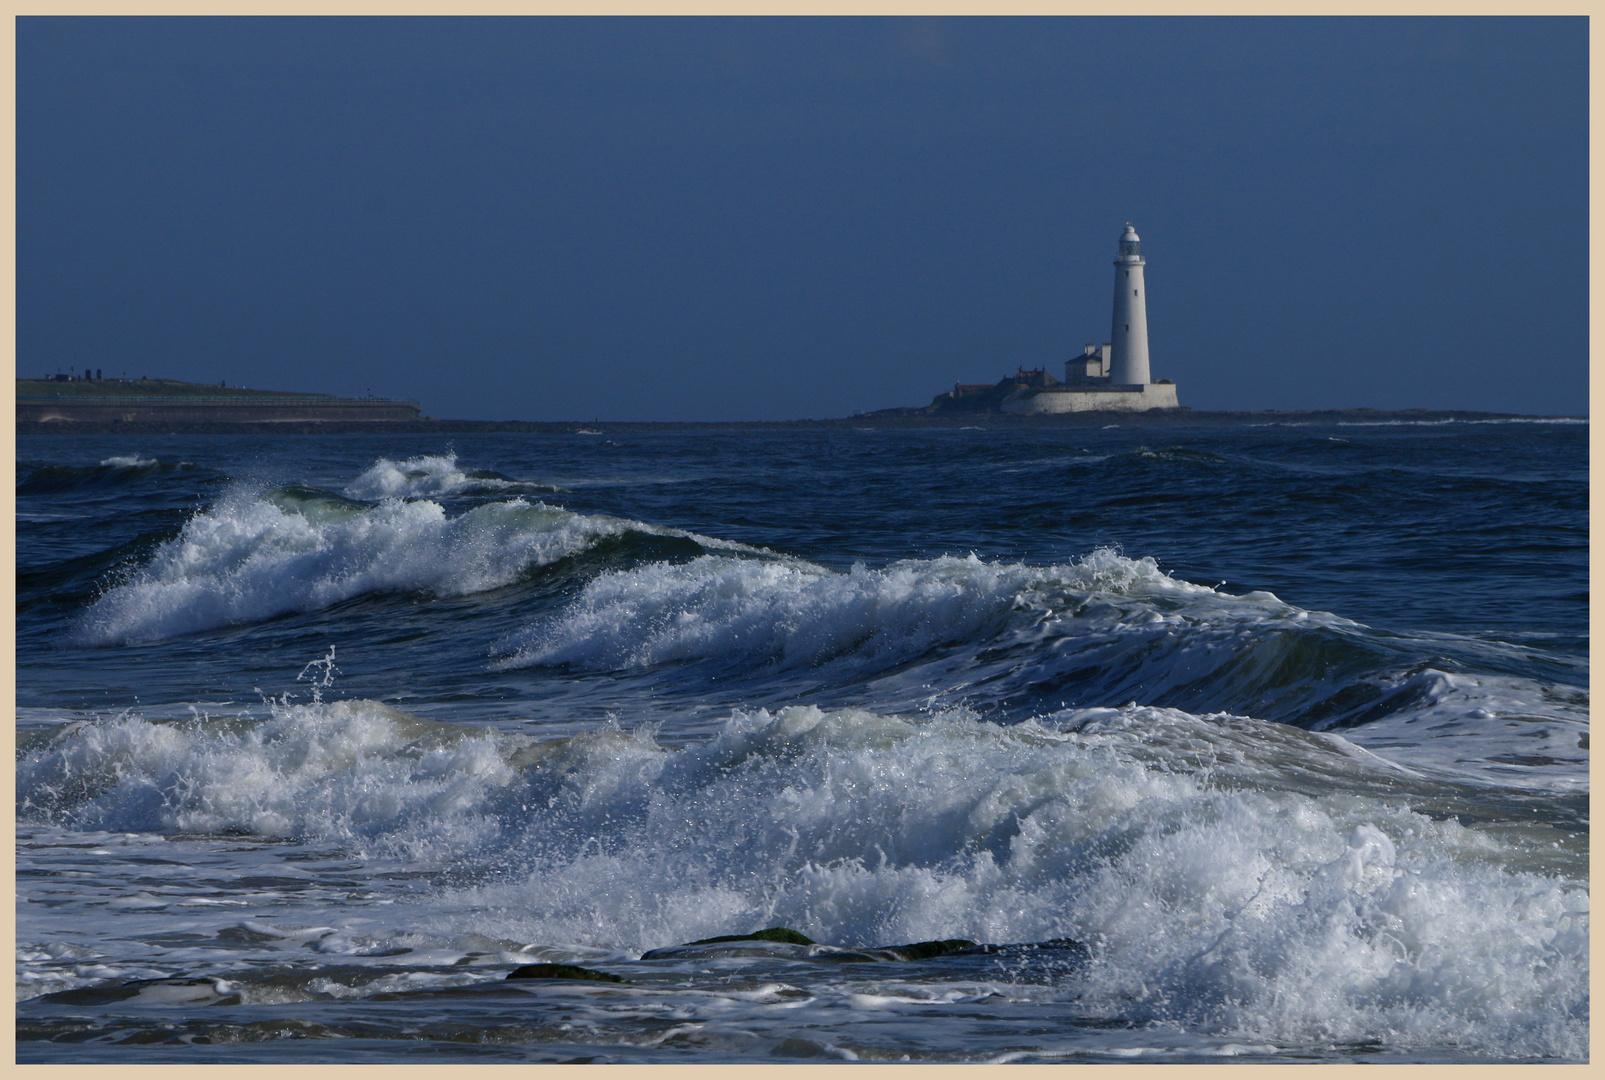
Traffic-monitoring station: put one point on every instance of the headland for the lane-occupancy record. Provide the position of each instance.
(72, 402)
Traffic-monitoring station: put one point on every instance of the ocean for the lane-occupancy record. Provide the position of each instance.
(1255, 742)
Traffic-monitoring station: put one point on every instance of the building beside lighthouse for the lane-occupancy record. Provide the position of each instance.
(1113, 376)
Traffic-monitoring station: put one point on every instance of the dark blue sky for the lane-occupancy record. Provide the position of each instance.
(777, 218)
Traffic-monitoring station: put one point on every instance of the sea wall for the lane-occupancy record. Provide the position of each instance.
(1102, 398)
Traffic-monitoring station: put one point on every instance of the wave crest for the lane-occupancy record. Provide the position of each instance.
(253, 557)
(796, 614)
(433, 476)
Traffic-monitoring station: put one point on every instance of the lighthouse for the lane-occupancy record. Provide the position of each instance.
(1129, 336)
(1111, 378)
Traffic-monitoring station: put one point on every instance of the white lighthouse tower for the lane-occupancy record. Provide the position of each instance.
(1129, 337)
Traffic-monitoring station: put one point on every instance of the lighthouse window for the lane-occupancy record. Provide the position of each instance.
(1133, 292)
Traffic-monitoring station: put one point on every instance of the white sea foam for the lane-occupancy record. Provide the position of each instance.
(357, 772)
(253, 557)
(1215, 897)
(129, 462)
(1264, 914)
(799, 614)
(429, 476)
(967, 626)
(791, 611)
(1106, 629)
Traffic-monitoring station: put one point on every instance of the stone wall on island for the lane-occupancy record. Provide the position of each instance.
(1064, 399)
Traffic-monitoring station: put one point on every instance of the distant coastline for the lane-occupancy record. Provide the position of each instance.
(92, 406)
(888, 419)
(73, 401)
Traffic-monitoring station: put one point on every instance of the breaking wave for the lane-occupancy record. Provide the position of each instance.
(255, 556)
(1023, 640)
(434, 476)
(1008, 639)
(348, 771)
(1228, 875)
(791, 613)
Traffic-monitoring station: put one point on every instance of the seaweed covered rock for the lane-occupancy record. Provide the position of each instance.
(561, 971)
(776, 941)
(774, 933)
(925, 950)
(779, 942)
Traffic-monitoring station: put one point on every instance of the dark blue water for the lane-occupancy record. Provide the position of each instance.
(1284, 726)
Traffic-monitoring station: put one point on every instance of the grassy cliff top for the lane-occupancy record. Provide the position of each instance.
(104, 388)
